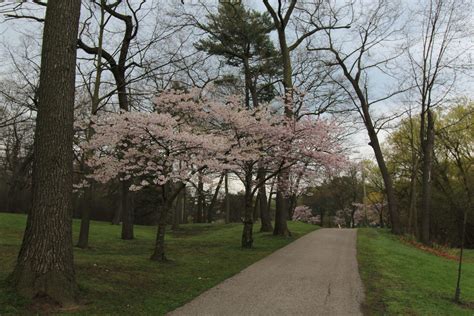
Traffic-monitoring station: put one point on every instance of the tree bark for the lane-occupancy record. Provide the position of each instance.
(281, 215)
(170, 192)
(280, 22)
(45, 263)
(127, 212)
(159, 251)
(427, 148)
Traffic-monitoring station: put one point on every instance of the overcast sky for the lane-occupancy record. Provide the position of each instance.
(13, 32)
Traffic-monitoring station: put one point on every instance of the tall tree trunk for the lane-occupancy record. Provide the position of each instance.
(127, 212)
(282, 202)
(45, 264)
(412, 213)
(374, 143)
(227, 199)
(118, 68)
(85, 215)
(427, 147)
(387, 178)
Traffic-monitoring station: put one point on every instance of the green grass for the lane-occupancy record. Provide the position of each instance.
(117, 277)
(402, 280)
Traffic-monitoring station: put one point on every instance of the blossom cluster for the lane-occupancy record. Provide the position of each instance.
(304, 214)
(188, 133)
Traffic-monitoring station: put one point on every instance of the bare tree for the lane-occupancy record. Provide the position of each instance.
(434, 54)
(374, 26)
(281, 14)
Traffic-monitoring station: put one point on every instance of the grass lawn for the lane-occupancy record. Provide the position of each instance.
(116, 276)
(403, 280)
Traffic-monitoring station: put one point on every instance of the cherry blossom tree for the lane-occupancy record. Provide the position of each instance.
(160, 150)
(194, 132)
(261, 136)
(304, 214)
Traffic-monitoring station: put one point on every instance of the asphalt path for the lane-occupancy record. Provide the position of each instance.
(315, 275)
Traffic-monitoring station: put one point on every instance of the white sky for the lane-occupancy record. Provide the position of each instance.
(12, 32)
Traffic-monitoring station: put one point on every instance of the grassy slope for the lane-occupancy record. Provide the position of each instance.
(403, 280)
(116, 277)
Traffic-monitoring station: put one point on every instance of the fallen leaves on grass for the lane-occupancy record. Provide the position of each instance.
(437, 251)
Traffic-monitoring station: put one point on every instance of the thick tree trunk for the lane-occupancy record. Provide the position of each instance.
(427, 147)
(127, 212)
(45, 265)
(282, 198)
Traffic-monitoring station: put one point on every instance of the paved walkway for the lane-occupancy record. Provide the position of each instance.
(315, 275)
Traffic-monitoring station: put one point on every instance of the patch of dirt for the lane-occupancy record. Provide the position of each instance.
(467, 305)
(44, 305)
